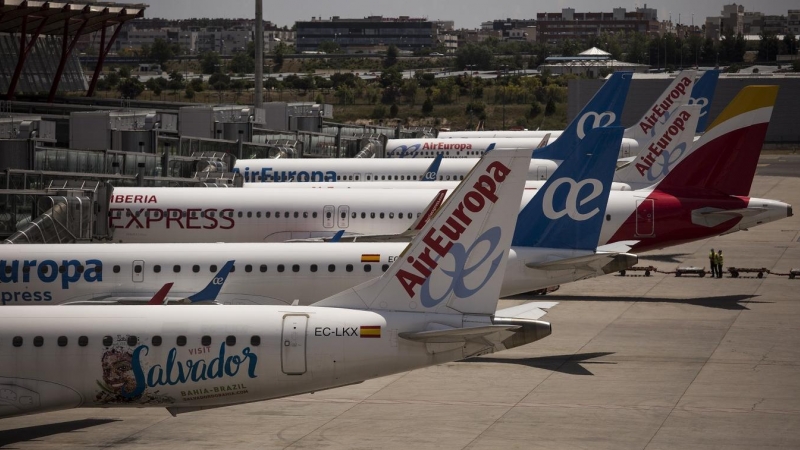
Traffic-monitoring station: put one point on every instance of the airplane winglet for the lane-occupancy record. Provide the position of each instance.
(211, 291)
(161, 296)
(337, 237)
(433, 206)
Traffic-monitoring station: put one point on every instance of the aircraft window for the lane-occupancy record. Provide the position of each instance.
(266, 214)
(248, 268)
(80, 269)
(139, 213)
(415, 178)
(344, 215)
(137, 268)
(363, 215)
(211, 214)
(62, 341)
(305, 214)
(281, 267)
(367, 267)
(249, 214)
(461, 177)
(349, 267)
(202, 213)
(127, 213)
(381, 215)
(107, 341)
(176, 269)
(116, 269)
(194, 214)
(400, 216)
(354, 215)
(213, 268)
(62, 269)
(181, 341)
(258, 214)
(296, 214)
(296, 268)
(46, 270)
(385, 267)
(240, 214)
(157, 268)
(403, 177)
(441, 177)
(230, 341)
(448, 178)
(263, 268)
(357, 177)
(83, 341)
(156, 341)
(195, 268)
(17, 341)
(328, 215)
(25, 269)
(608, 217)
(314, 215)
(331, 267)
(383, 177)
(132, 341)
(233, 269)
(391, 215)
(369, 178)
(371, 215)
(205, 341)
(255, 341)
(419, 214)
(313, 267)
(395, 178)
(8, 270)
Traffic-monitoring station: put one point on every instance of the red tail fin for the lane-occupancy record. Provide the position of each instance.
(726, 156)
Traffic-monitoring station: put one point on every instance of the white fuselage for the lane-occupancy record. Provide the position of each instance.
(186, 358)
(265, 274)
(450, 185)
(475, 147)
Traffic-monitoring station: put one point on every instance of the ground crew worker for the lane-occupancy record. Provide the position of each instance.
(712, 262)
(719, 264)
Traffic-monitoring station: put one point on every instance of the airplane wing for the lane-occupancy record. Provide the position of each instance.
(450, 335)
(608, 262)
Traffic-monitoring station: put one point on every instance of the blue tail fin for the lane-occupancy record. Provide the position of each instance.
(211, 291)
(433, 171)
(603, 110)
(567, 212)
(703, 94)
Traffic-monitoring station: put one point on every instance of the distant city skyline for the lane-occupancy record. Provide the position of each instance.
(465, 13)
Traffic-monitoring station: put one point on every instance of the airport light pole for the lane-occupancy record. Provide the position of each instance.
(259, 45)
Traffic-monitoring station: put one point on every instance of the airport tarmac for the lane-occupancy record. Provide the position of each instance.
(633, 363)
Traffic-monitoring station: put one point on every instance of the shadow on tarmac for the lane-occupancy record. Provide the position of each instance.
(31, 433)
(725, 302)
(569, 364)
(665, 258)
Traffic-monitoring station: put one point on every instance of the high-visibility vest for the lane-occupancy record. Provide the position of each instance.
(712, 257)
(719, 258)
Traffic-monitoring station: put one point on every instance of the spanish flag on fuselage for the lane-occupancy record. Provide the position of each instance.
(365, 258)
(370, 331)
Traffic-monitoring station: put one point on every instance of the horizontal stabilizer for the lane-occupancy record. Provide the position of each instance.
(450, 335)
(711, 217)
(528, 311)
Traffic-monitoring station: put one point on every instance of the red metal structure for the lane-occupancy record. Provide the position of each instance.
(70, 20)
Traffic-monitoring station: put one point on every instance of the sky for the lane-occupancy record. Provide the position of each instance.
(465, 13)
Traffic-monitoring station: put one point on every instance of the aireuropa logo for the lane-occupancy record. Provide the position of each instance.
(402, 151)
(571, 199)
(599, 120)
(703, 102)
(663, 164)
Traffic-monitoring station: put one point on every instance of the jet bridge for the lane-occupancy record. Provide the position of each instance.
(68, 215)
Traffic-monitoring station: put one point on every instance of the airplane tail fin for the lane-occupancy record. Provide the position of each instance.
(660, 154)
(603, 110)
(211, 291)
(161, 296)
(433, 170)
(656, 116)
(726, 156)
(455, 264)
(567, 212)
(703, 95)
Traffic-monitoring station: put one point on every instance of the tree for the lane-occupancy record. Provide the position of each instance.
(536, 109)
(281, 50)
(394, 110)
(427, 107)
(197, 85)
(768, 47)
(210, 62)
(189, 92)
(124, 72)
(796, 65)
(161, 52)
(550, 108)
(130, 88)
(569, 48)
(242, 63)
(112, 78)
(790, 44)
(156, 85)
(479, 57)
(329, 47)
(391, 56)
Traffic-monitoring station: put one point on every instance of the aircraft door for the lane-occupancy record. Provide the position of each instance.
(327, 216)
(293, 344)
(541, 173)
(645, 217)
(138, 271)
(626, 150)
(344, 216)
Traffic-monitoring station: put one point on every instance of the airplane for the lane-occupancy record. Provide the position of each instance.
(714, 205)
(702, 93)
(188, 359)
(280, 273)
(603, 110)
